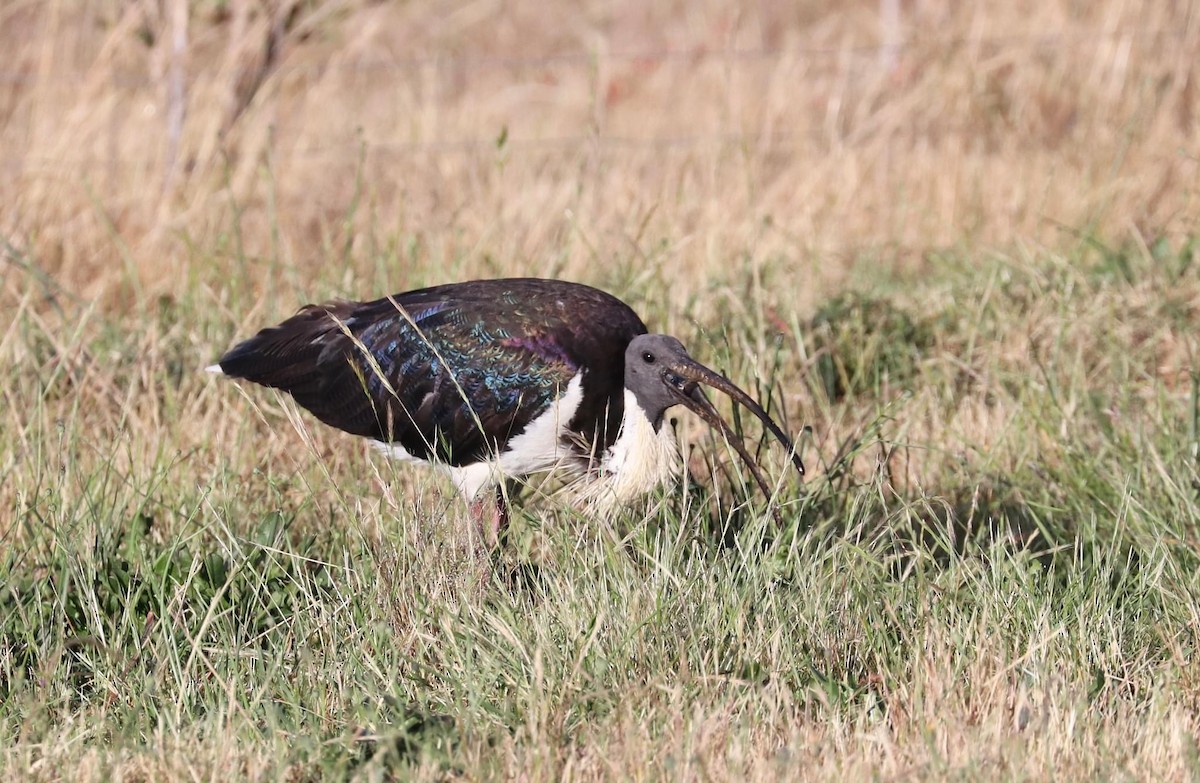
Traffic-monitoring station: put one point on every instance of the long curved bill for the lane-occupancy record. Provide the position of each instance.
(687, 375)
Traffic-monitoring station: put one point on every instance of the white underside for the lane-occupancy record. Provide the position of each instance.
(541, 447)
(640, 459)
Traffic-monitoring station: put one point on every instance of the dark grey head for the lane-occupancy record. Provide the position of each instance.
(661, 375)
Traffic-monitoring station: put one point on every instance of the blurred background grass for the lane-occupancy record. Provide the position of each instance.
(485, 138)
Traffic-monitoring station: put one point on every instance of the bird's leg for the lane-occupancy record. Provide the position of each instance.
(512, 489)
(489, 511)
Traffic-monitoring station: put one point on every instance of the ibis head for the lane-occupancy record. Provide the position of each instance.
(660, 374)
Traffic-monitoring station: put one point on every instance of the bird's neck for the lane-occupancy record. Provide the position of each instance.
(642, 457)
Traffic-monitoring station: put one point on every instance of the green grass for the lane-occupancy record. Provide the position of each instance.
(991, 572)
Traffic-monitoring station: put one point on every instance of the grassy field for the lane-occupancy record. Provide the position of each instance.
(958, 244)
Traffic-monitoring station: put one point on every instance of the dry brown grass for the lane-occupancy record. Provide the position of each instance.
(985, 125)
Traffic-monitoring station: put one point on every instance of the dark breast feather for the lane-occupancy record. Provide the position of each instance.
(451, 372)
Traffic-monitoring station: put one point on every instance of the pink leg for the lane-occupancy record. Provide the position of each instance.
(489, 511)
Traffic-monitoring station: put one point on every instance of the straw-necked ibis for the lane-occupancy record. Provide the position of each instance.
(498, 378)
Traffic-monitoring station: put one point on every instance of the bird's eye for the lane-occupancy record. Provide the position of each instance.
(648, 357)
